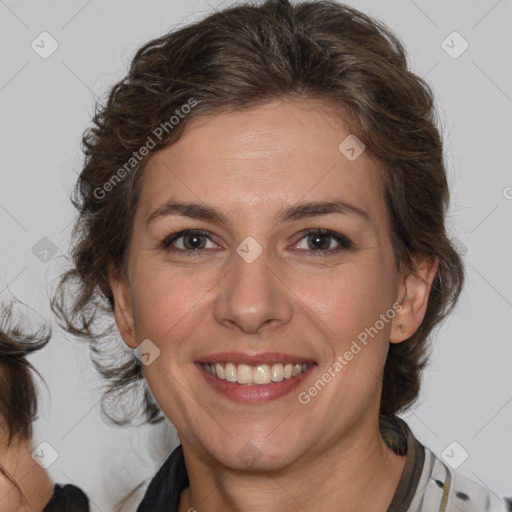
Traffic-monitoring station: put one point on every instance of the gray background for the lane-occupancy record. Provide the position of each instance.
(47, 103)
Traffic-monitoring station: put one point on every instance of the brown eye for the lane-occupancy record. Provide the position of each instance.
(191, 240)
(320, 240)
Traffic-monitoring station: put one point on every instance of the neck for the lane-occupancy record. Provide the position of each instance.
(35, 487)
(342, 472)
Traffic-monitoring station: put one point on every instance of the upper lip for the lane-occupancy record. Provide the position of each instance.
(252, 359)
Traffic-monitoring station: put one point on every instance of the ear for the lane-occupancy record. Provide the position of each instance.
(413, 293)
(123, 310)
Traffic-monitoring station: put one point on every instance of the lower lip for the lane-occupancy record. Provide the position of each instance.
(254, 393)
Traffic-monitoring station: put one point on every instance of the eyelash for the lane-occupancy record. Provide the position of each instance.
(345, 243)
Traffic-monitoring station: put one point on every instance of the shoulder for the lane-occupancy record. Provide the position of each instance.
(447, 490)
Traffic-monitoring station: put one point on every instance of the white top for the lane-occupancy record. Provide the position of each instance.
(441, 489)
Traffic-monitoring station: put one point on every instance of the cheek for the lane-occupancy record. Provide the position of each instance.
(167, 303)
(354, 309)
(349, 300)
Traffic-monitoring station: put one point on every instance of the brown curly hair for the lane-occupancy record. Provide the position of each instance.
(241, 57)
(18, 396)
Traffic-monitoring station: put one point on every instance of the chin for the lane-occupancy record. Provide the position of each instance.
(256, 453)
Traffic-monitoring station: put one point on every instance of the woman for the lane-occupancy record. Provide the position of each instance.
(262, 211)
(25, 486)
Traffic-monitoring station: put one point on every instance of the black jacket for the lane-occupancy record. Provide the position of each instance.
(67, 498)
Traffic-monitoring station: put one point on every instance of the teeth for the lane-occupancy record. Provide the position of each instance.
(259, 374)
(244, 374)
(297, 369)
(230, 372)
(277, 373)
(220, 371)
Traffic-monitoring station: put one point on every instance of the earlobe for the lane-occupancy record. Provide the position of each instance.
(413, 294)
(123, 309)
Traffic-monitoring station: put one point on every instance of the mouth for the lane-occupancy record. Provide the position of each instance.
(254, 378)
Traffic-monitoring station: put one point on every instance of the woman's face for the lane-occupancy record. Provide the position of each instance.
(256, 289)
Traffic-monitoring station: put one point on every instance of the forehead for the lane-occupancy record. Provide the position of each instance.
(262, 159)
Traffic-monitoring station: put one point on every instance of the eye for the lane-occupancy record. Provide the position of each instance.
(319, 241)
(188, 240)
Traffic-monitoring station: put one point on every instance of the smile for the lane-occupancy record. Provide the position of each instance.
(254, 378)
(259, 374)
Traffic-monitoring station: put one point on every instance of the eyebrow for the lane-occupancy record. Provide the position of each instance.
(295, 212)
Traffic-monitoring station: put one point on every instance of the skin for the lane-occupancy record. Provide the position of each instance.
(250, 165)
(35, 484)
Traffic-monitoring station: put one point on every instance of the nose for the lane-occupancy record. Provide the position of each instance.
(254, 296)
